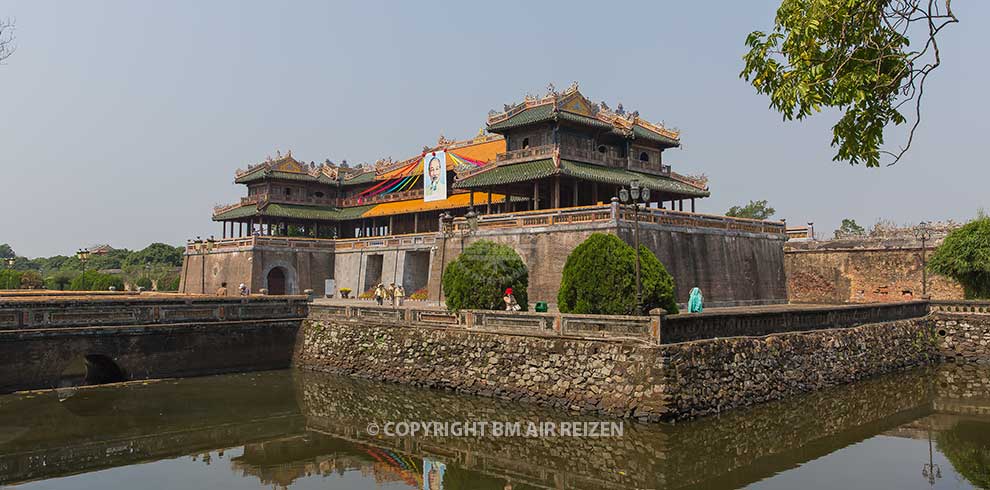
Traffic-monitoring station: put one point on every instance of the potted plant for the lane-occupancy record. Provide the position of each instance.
(345, 292)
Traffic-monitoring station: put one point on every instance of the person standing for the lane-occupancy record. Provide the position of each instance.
(510, 301)
(695, 301)
(390, 294)
(222, 290)
(379, 294)
(400, 293)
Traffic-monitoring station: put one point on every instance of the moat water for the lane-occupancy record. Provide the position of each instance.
(290, 429)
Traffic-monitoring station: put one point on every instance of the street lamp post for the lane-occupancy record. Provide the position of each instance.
(923, 232)
(446, 228)
(83, 256)
(9, 262)
(633, 195)
(931, 470)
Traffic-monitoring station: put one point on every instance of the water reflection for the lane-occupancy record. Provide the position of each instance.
(303, 430)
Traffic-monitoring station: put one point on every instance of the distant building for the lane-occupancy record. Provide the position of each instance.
(100, 249)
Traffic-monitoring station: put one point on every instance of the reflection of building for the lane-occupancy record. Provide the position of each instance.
(557, 159)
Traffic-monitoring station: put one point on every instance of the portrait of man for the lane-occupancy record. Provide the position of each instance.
(435, 176)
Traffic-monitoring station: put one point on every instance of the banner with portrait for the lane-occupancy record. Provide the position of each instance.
(433, 471)
(435, 176)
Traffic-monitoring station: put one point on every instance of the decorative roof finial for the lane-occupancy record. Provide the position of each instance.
(551, 90)
(278, 155)
(481, 132)
(289, 153)
(572, 88)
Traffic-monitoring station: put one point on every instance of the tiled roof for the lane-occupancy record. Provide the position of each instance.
(619, 176)
(529, 116)
(641, 132)
(295, 211)
(362, 178)
(582, 119)
(417, 205)
(508, 174)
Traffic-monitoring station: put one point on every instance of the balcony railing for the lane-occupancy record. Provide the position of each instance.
(593, 156)
(525, 154)
(382, 198)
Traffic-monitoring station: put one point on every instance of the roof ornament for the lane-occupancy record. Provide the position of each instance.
(278, 155)
(289, 153)
(481, 133)
(268, 159)
(619, 110)
(443, 141)
(604, 106)
(551, 90)
(572, 88)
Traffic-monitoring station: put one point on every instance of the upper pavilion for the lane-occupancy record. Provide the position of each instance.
(557, 151)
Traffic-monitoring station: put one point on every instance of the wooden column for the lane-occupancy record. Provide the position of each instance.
(692, 204)
(488, 209)
(680, 204)
(471, 200)
(575, 194)
(555, 199)
(391, 225)
(536, 195)
(415, 222)
(594, 192)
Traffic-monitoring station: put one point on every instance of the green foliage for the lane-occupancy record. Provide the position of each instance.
(59, 281)
(156, 254)
(600, 278)
(96, 281)
(479, 277)
(10, 279)
(6, 252)
(753, 210)
(849, 227)
(965, 256)
(851, 55)
(31, 280)
(143, 282)
(169, 283)
(967, 446)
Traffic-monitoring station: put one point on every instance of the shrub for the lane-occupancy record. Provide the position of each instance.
(420, 294)
(478, 278)
(169, 283)
(965, 256)
(31, 280)
(58, 281)
(143, 282)
(600, 278)
(96, 281)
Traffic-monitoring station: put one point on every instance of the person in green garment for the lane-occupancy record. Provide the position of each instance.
(694, 301)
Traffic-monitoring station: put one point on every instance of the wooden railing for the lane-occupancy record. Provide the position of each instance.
(409, 240)
(416, 193)
(593, 156)
(530, 153)
(243, 243)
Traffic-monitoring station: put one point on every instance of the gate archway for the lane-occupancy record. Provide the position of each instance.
(276, 281)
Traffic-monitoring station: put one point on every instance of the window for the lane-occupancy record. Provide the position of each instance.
(318, 194)
(644, 157)
(525, 143)
(601, 149)
(288, 191)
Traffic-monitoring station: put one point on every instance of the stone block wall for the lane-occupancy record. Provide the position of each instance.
(963, 337)
(623, 379)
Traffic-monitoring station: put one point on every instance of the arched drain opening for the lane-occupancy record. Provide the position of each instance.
(942, 332)
(91, 369)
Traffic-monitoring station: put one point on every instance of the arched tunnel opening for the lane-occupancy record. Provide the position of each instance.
(91, 369)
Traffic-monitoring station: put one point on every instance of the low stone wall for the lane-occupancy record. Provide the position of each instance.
(964, 330)
(624, 378)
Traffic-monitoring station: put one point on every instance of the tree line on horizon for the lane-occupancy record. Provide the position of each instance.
(157, 264)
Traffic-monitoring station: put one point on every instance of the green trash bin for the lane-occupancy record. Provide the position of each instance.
(541, 306)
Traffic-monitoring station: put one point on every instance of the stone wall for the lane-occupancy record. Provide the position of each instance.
(624, 379)
(860, 271)
(303, 269)
(731, 267)
(964, 337)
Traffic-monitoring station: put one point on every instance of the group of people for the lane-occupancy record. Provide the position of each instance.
(392, 293)
(241, 290)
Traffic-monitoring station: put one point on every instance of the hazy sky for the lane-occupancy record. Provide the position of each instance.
(123, 122)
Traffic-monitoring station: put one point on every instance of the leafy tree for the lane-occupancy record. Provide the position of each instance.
(849, 227)
(753, 210)
(96, 281)
(852, 55)
(967, 447)
(143, 282)
(156, 254)
(31, 280)
(10, 279)
(964, 255)
(478, 278)
(58, 281)
(170, 283)
(600, 278)
(6, 252)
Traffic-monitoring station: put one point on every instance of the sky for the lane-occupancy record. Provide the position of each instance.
(123, 122)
